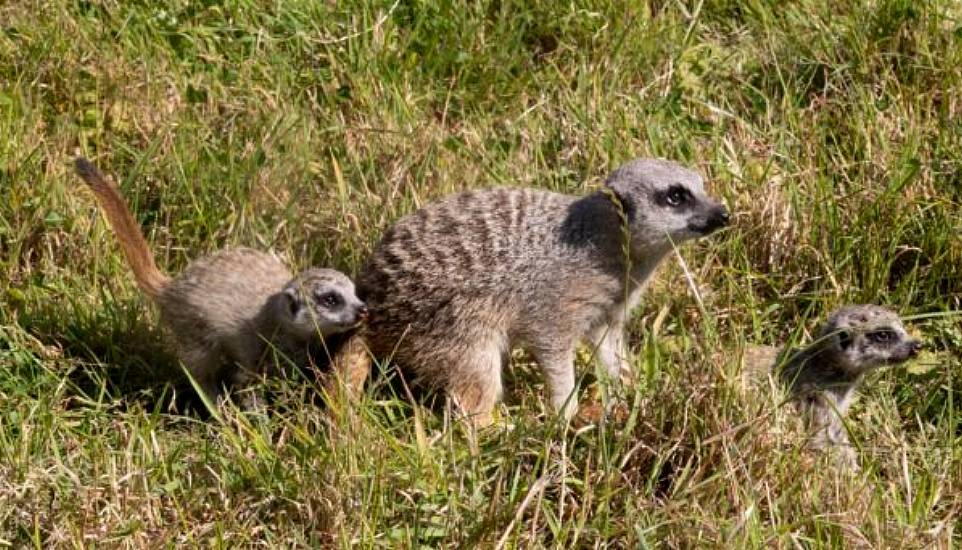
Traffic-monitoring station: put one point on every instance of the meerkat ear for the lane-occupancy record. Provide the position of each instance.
(619, 188)
(844, 339)
(292, 301)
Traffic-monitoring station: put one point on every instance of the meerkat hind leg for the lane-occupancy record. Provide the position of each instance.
(204, 365)
(477, 387)
(350, 368)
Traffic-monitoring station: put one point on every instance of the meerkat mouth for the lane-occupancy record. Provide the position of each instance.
(908, 351)
(903, 356)
(348, 325)
(715, 219)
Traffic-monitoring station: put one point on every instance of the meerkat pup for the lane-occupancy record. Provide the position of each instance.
(455, 286)
(822, 378)
(229, 312)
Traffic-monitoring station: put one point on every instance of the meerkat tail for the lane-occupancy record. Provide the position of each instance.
(125, 227)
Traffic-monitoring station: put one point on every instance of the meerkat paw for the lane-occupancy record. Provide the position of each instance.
(597, 412)
(590, 414)
(846, 458)
(250, 402)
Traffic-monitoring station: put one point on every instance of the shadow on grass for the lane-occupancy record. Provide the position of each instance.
(120, 356)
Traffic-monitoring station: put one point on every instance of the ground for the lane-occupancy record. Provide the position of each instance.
(831, 129)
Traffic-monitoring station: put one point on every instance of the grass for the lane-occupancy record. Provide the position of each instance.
(831, 130)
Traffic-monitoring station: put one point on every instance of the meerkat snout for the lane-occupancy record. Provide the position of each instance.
(715, 217)
(917, 346)
(362, 313)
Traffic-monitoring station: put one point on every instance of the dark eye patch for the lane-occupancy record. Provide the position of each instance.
(676, 196)
(883, 336)
(329, 299)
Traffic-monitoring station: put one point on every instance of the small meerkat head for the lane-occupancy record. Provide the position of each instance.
(864, 337)
(321, 300)
(664, 202)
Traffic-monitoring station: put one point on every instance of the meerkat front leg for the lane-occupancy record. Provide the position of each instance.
(610, 350)
(829, 429)
(844, 452)
(557, 364)
(613, 356)
(243, 381)
(826, 421)
(609, 339)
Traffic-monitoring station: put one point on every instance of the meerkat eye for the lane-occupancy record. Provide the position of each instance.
(881, 336)
(329, 299)
(677, 196)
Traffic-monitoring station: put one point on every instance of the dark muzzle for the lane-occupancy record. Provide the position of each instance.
(716, 218)
(915, 346)
(363, 313)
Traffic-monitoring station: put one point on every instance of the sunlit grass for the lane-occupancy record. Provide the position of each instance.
(830, 129)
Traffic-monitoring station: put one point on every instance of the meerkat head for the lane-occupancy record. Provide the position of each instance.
(864, 337)
(664, 202)
(321, 300)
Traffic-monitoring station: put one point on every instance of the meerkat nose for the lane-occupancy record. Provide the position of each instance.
(916, 346)
(723, 216)
(362, 312)
(718, 218)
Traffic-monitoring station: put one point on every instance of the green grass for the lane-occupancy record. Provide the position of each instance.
(831, 129)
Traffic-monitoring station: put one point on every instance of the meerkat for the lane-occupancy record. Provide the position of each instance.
(455, 286)
(822, 378)
(229, 311)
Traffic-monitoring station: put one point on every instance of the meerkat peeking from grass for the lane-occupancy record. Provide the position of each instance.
(455, 286)
(822, 378)
(229, 312)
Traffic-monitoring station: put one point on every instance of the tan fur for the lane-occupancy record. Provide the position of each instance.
(455, 286)
(237, 313)
(351, 367)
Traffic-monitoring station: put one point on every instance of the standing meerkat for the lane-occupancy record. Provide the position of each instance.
(455, 286)
(822, 378)
(229, 311)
